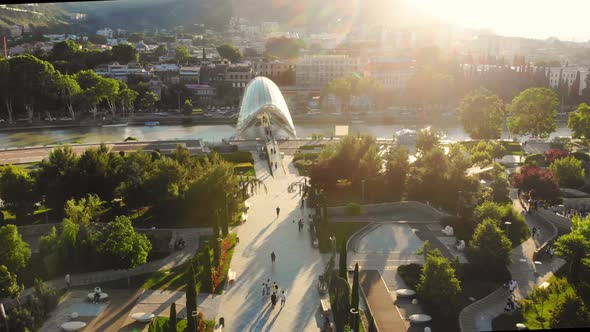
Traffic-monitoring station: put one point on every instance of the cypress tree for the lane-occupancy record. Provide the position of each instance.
(354, 299)
(206, 282)
(191, 299)
(342, 269)
(354, 302)
(172, 321)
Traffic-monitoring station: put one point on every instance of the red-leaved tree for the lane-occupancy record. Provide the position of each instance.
(539, 182)
(553, 154)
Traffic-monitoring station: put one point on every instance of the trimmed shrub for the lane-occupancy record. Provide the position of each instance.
(462, 227)
(238, 157)
(552, 155)
(410, 274)
(536, 159)
(353, 209)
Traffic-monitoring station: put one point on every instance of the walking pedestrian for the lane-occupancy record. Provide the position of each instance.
(283, 298)
(275, 287)
(539, 234)
(68, 280)
(278, 211)
(273, 299)
(273, 257)
(263, 289)
(302, 203)
(534, 232)
(551, 252)
(267, 286)
(276, 165)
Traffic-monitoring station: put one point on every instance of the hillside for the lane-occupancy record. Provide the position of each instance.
(38, 15)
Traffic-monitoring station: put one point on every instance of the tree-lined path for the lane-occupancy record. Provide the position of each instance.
(296, 269)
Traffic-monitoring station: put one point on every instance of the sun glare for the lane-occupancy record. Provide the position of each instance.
(526, 18)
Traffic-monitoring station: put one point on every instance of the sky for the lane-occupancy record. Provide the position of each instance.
(564, 19)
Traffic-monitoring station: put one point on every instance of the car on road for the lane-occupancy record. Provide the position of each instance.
(208, 115)
(66, 119)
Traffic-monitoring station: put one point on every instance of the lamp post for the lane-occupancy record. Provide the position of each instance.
(333, 243)
(363, 190)
(218, 258)
(195, 314)
(508, 223)
(354, 314)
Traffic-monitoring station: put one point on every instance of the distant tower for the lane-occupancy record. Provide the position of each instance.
(204, 55)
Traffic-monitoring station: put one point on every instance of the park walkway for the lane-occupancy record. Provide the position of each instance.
(191, 237)
(296, 269)
(479, 315)
(385, 313)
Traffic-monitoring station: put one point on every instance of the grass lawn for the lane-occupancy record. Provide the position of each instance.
(512, 148)
(160, 324)
(38, 216)
(530, 316)
(342, 231)
(246, 169)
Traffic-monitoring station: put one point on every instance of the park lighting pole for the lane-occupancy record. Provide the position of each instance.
(333, 243)
(459, 201)
(508, 223)
(354, 312)
(219, 240)
(363, 190)
(195, 314)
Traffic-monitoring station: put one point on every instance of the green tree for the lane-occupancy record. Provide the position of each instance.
(187, 107)
(120, 246)
(283, 47)
(397, 167)
(481, 114)
(571, 312)
(579, 121)
(573, 247)
(426, 140)
(14, 252)
(125, 53)
(568, 171)
(438, 287)
(147, 101)
(17, 189)
(341, 88)
(230, 52)
(97, 39)
(9, 287)
(207, 279)
(191, 298)
(172, 319)
(65, 50)
(135, 37)
(533, 112)
(489, 249)
(181, 54)
(342, 267)
(500, 185)
(161, 50)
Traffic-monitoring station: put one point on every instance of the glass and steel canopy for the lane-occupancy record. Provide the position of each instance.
(262, 97)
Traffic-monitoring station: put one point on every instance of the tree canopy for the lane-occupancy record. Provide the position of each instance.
(14, 252)
(579, 121)
(121, 245)
(230, 52)
(568, 171)
(489, 249)
(125, 53)
(283, 47)
(482, 115)
(17, 189)
(533, 112)
(438, 287)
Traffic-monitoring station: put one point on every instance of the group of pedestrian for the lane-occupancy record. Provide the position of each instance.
(510, 305)
(273, 291)
(511, 285)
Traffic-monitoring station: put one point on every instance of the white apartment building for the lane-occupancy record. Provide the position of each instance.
(107, 32)
(270, 68)
(392, 73)
(313, 72)
(567, 74)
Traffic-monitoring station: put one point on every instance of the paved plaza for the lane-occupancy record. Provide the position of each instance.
(296, 269)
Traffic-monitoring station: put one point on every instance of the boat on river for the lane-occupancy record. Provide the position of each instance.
(120, 124)
(151, 123)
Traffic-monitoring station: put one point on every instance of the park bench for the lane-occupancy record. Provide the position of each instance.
(326, 308)
(231, 275)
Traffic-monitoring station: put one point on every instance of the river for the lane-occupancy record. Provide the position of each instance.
(208, 133)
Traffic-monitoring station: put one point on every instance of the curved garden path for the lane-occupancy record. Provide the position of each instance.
(479, 315)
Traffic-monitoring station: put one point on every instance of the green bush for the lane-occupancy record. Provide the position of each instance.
(353, 209)
(311, 156)
(537, 159)
(462, 227)
(410, 274)
(238, 157)
(582, 156)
